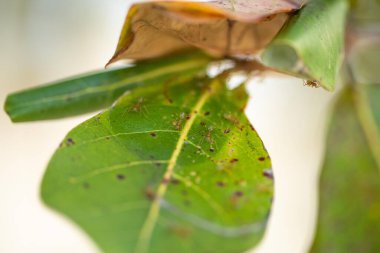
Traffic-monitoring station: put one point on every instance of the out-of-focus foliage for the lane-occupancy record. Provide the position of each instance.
(349, 215)
(364, 61)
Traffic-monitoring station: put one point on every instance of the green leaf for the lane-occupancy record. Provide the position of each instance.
(95, 91)
(349, 218)
(174, 168)
(310, 45)
(365, 61)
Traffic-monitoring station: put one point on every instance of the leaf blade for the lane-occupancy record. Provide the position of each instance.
(212, 193)
(96, 91)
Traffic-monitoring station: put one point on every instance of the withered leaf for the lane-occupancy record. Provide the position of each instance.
(220, 27)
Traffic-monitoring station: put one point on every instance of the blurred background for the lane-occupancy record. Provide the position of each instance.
(46, 40)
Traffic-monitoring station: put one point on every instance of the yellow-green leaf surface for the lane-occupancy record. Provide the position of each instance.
(311, 44)
(349, 217)
(175, 168)
(98, 90)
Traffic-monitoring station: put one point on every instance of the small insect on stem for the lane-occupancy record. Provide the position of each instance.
(311, 83)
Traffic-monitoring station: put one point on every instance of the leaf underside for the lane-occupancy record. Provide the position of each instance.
(173, 168)
(349, 217)
(99, 90)
(311, 44)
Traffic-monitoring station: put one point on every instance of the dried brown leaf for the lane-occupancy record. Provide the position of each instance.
(220, 27)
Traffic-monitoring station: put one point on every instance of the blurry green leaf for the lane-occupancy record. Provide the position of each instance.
(365, 12)
(175, 168)
(349, 218)
(311, 43)
(99, 90)
(364, 61)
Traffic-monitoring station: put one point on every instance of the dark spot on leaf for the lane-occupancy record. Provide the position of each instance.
(212, 150)
(153, 134)
(207, 113)
(261, 159)
(120, 177)
(226, 131)
(252, 128)
(86, 185)
(236, 196)
(220, 184)
(234, 160)
(182, 232)
(175, 181)
(158, 165)
(188, 117)
(202, 123)
(70, 142)
(149, 193)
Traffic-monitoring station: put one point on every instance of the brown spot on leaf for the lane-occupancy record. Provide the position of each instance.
(86, 185)
(153, 135)
(234, 160)
(261, 159)
(180, 231)
(175, 181)
(207, 113)
(236, 196)
(120, 177)
(226, 131)
(70, 142)
(149, 193)
(220, 184)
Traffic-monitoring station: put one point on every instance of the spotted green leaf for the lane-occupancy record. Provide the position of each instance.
(175, 168)
(310, 45)
(349, 217)
(99, 90)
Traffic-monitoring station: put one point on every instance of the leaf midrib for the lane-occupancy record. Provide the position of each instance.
(148, 227)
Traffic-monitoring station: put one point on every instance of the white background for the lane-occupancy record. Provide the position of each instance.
(45, 40)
